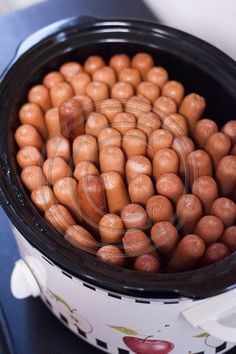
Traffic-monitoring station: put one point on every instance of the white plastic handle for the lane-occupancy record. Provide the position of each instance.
(207, 315)
(23, 283)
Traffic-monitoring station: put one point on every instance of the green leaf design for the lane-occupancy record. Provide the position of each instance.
(202, 335)
(123, 329)
(60, 299)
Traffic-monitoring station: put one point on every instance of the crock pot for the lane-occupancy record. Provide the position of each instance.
(117, 310)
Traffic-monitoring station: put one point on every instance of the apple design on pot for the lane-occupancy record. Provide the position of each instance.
(148, 346)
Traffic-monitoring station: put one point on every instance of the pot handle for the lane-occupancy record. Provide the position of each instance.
(23, 283)
(209, 314)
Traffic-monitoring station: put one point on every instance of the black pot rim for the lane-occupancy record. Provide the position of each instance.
(199, 283)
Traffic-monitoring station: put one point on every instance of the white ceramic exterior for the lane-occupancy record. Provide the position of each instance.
(105, 319)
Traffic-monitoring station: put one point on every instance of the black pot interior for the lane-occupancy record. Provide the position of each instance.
(200, 67)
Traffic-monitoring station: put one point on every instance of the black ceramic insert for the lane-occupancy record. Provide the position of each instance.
(199, 66)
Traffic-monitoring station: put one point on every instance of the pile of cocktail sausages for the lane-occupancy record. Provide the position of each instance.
(117, 157)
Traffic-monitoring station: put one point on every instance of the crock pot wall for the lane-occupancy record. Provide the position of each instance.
(198, 66)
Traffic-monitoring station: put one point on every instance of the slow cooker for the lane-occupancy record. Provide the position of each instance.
(117, 310)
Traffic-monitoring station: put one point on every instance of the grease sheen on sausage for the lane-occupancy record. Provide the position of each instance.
(92, 199)
(192, 108)
(188, 254)
(116, 192)
(134, 216)
(79, 237)
(189, 211)
(141, 189)
(137, 165)
(165, 237)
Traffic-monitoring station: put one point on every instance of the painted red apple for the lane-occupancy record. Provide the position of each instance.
(148, 346)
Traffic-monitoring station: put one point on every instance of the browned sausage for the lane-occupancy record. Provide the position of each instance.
(229, 237)
(40, 95)
(159, 139)
(157, 75)
(192, 108)
(203, 130)
(134, 143)
(81, 238)
(143, 62)
(111, 229)
(123, 122)
(93, 63)
(92, 200)
(60, 92)
(205, 188)
(226, 174)
(97, 91)
(70, 69)
(137, 165)
(31, 113)
(230, 129)
(43, 198)
(122, 91)
(188, 254)
(105, 74)
(110, 108)
(56, 168)
(159, 208)
(119, 62)
(109, 136)
(148, 123)
(171, 186)
(95, 123)
(131, 76)
(136, 242)
(79, 83)
(225, 209)
(71, 118)
(28, 156)
(111, 158)
(52, 121)
(116, 192)
(27, 135)
(164, 106)
(86, 103)
(198, 164)
(165, 237)
(84, 168)
(85, 149)
(59, 217)
(165, 161)
(209, 228)
(141, 189)
(137, 105)
(33, 178)
(111, 255)
(66, 191)
(215, 253)
(189, 211)
(183, 146)
(176, 125)
(59, 146)
(149, 90)
(218, 145)
(173, 89)
(147, 263)
(52, 78)
(134, 216)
